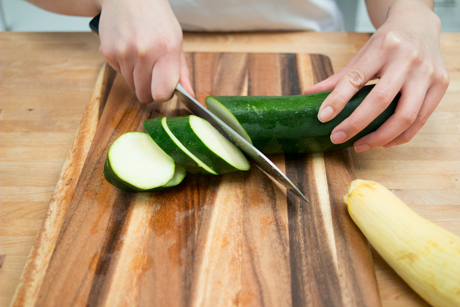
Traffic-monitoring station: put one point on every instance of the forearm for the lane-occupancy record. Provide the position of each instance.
(379, 10)
(70, 7)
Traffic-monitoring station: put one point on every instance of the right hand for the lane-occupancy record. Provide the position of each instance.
(142, 40)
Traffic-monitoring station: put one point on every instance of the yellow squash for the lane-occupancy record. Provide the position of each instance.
(425, 255)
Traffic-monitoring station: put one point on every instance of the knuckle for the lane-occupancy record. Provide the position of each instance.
(423, 118)
(404, 138)
(356, 78)
(143, 97)
(443, 78)
(427, 69)
(415, 56)
(142, 50)
(383, 98)
(408, 116)
(161, 96)
(356, 125)
(108, 53)
(168, 45)
(338, 97)
(391, 40)
(122, 50)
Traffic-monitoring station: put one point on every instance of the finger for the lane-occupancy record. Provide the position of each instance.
(124, 57)
(351, 82)
(432, 99)
(330, 83)
(184, 78)
(409, 105)
(127, 72)
(373, 105)
(142, 75)
(165, 76)
(110, 59)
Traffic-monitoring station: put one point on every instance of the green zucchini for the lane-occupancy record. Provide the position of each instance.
(159, 131)
(135, 163)
(179, 175)
(289, 124)
(207, 144)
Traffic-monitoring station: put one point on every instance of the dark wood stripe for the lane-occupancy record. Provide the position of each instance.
(110, 74)
(2, 257)
(118, 219)
(314, 275)
(290, 75)
(355, 259)
(322, 67)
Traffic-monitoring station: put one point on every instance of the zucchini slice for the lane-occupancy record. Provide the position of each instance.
(159, 131)
(136, 163)
(178, 177)
(208, 144)
(289, 124)
(218, 109)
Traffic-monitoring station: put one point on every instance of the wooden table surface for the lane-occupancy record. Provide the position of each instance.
(46, 80)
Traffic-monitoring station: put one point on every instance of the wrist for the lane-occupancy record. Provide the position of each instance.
(413, 11)
(380, 10)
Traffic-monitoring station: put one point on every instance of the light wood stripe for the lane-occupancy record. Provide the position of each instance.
(219, 247)
(40, 256)
(133, 260)
(324, 202)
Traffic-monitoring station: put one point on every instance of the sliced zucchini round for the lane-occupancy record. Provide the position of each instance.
(208, 144)
(136, 163)
(159, 131)
(178, 177)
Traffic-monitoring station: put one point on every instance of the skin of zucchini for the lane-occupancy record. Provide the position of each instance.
(426, 256)
(289, 124)
(182, 129)
(157, 132)
(114, 180)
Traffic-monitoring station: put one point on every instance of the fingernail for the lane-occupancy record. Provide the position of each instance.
(338, 137)
(391, 144)
(362, 147)
(325, 114)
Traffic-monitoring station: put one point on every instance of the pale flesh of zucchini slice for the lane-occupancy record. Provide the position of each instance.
(179, 175)
(184, 149)
(226, 116)
(218, 144)
(138, 161)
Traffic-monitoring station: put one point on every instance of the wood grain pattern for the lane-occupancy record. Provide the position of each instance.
(32, 154)
(36, 266)
(236, 239)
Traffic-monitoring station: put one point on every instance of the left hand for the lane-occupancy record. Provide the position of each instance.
(404, 54)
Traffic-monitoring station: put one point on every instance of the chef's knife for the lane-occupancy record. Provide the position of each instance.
(198, 109)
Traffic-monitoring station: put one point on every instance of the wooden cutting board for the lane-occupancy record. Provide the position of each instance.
(236, 239)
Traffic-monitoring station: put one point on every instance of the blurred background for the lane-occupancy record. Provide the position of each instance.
(19, 15)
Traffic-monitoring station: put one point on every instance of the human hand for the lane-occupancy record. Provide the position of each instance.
(404, 54)
(143, 41)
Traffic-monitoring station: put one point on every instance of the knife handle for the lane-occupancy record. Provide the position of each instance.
(94, 24)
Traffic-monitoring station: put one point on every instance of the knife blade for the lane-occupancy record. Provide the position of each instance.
(256, 156)
(265, 164)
